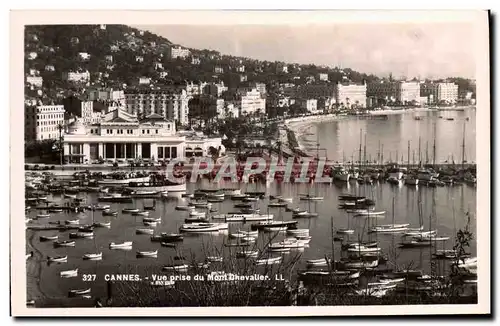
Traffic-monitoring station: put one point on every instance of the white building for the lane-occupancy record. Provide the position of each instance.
(323, 77)
(84, 55)
(195, 61)
(179, 52)
(440, 92)
(42, 122)
(158, 65)
(144, 80)
(243, 78)
(350, 95)
(170, 104)
(240, 68)
(407, 91)
(228, 110)
(109, 58)
(50, 68)
(34, 81)
(218, 70)
(139, 58)
(32, 55)
(252, 102)
(122, 136)
(74, 76)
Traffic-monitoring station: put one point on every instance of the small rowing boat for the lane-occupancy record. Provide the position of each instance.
(58, 259)
(123, 245)
(150, 254)
(144, 231)
(67, 243)
(70, 273)
(48, 237)
(93, 256)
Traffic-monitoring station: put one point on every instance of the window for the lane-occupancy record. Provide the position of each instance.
(160, 152)
(148, 131)
(156, 130)
(91, 131)
(143, 131)
(173, 153)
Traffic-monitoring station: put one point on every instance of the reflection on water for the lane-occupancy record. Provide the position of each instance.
(442, 208)
(342, 138)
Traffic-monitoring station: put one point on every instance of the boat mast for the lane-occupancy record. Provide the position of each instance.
(364, 154)
(408, 154)
(360, 142)
(333, 245)
(419, 153)
(382, 155)
(463, 147)
(378, 154)
(427, 152)
(434, 148)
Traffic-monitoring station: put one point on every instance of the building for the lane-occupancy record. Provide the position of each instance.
(34, 81)
(122, 136)
(383, 90)
(281, 68)
(323, 77)
(144, 80)
(407, 92)
(139, 58)
(350, 95)
(50, 68)
(195, 61)
(240, 68)
(179, 52)
(205, 107)
(77, 76)
(280, 101)
(252, 102)
(215, 89)
(82, 110)
(310, 105)
(440, 93)
(84, 56)
(109, 58)
(261, 87)
(42, 122)
(312, 91)
(32, 55)
(243, 78)
(170, 103)
(218, 70)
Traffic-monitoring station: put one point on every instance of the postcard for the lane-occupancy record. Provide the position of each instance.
(260, 163)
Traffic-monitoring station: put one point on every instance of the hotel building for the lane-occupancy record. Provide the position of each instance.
(251, 102)
(179, 52)
(440, 92)
(42, 122)
(122, 136)
(170, 104)
(349, 95)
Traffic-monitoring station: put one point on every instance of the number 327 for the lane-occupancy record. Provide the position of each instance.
(88, 277)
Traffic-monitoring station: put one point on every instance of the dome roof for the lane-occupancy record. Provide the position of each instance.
(77, 128)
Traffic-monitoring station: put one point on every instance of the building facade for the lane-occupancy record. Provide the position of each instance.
(310, 105)
(36, 81)
(314, 90)
(43, 122)
(252, 102)
(350, 95)
(179, 52)
(75, 76)
(170, 104)
(323, 77)
(440, 93)
(123, 137)
(407, 92)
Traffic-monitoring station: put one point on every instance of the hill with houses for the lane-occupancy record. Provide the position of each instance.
(118, 56)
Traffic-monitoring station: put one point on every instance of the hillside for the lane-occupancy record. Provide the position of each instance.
(113, 61)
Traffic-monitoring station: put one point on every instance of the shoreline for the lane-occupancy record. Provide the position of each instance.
(299, 126)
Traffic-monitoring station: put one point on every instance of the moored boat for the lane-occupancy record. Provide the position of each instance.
(57, 259)
(97, 256)
(67, 243)
(123, 245)
(48, 237)
(144, 231)
(269, 261)
(180, 267)
(147, 253)
(69, 273)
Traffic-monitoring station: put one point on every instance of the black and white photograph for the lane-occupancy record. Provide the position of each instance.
(300, 160)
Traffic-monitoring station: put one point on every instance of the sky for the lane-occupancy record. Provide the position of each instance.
(429, 50)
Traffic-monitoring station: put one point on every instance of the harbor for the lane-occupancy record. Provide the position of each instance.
(329, 224)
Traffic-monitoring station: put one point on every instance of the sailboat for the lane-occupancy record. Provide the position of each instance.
(330, 275)
(93, 256)
(391, 228)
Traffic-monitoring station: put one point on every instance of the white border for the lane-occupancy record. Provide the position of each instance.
(18, 275)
